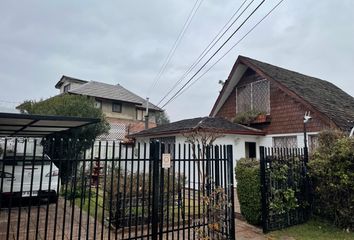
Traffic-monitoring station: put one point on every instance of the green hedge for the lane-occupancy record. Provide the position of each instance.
(332, 171)
(249, 189)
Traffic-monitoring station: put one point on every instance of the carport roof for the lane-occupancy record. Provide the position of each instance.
(26, 125)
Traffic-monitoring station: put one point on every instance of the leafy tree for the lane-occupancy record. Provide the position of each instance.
(62, 147)
(162, 118)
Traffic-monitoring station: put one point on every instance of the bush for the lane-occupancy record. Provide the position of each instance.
(332, 172)
(249, 189)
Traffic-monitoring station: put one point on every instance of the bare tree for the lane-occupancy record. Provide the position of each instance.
(200, 139)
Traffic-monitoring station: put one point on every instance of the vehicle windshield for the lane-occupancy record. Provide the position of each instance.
(25, 160)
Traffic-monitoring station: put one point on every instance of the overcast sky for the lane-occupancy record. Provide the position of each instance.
(126, 42)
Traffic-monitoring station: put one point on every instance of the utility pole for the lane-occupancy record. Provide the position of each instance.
(147, 114)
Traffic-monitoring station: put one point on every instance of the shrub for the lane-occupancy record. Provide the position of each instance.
(249, 189)
(332, 172)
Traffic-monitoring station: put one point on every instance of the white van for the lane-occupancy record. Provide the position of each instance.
(13, 168)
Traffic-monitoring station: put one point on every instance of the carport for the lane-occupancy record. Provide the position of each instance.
(33, 219)
(26, 125)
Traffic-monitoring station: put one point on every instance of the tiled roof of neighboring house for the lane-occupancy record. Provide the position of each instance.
(208, 123)
(324, 96)
(112, 92)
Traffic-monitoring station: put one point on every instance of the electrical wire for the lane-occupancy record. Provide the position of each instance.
(243, 37)
(212, 56)
(176, 44)
(208, 48)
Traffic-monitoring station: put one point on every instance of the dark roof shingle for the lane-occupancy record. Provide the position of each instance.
(220, 124)
(322, 95)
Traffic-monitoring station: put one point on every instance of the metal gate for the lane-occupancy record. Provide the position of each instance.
(285, 187)
(53, 189)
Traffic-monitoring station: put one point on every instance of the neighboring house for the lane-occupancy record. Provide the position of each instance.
(124, 110)
(225, 132)
(283, 96)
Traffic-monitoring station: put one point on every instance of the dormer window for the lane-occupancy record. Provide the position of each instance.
(254, 96)
(66, 88)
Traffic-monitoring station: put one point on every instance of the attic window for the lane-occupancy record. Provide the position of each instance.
(66, 88)
(254, 96)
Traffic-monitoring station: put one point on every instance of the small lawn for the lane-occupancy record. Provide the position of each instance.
(313, 229)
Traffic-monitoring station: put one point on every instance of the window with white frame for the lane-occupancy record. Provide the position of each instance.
(254, 96)
(285, 142)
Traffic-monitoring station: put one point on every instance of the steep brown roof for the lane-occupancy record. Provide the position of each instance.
(208, 123)
(324, 96)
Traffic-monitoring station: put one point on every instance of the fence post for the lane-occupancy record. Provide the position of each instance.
(263, 188)
(154, 157)
(208, 171)
(217, 169)
(231, 191)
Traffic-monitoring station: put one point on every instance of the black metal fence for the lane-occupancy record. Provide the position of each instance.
(53, 189)
(285, 188)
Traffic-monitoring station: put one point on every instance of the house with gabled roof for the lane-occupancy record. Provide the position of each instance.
(283, 96)
(124, 110)
(278, 98)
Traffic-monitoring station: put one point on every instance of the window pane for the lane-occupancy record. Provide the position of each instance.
(116, 107)
(260, 96)
(243, 99)
(285, 142)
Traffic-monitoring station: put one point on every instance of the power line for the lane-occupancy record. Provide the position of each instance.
(176, 43)
(243, 37)
(212, 56)
(208, 48)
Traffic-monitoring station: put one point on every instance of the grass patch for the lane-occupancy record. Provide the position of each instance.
(313, 229)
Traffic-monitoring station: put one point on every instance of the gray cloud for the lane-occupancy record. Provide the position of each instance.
(126, 42)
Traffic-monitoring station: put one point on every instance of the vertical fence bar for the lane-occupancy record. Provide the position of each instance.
(41, 160)
(89, 191)
(21, 189)
(263, 188)
(73, 186)
(231, 194)
(137, 192)
(131, 192)
(31, 189)
(180, 201)
(83, 189)
(118, 213)
(104, 190)
(154, 156)
(11, 191)
(143, 189)
(60, 174)
(162, 192)
(111, 190)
